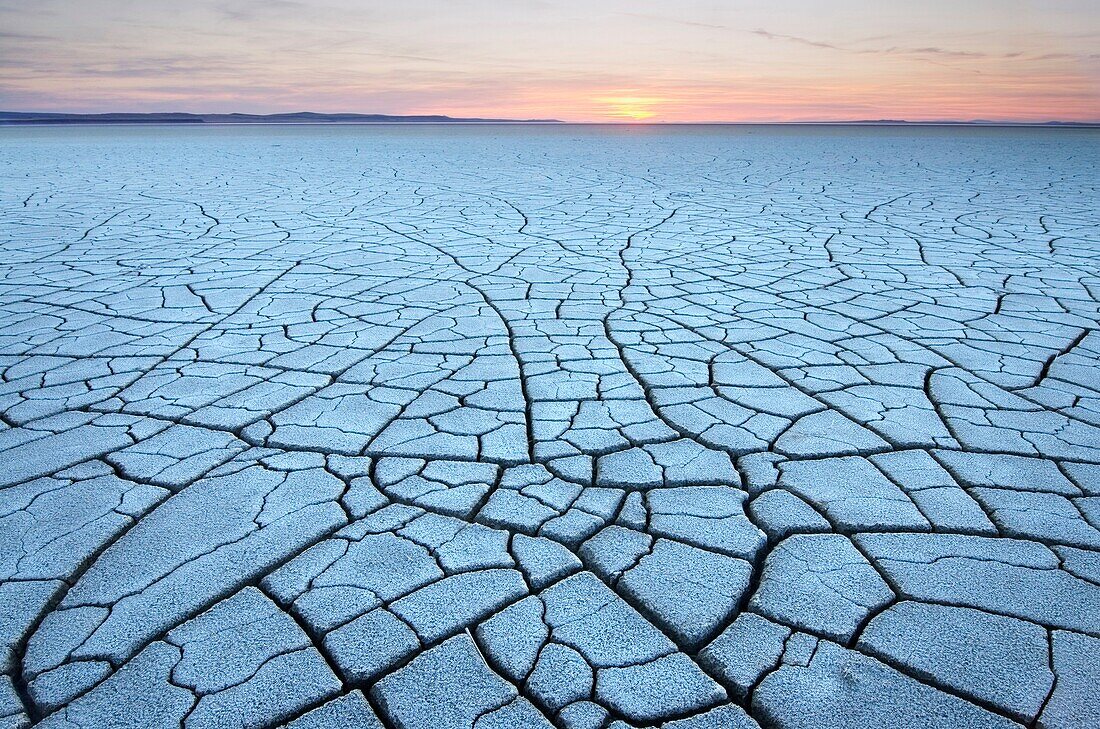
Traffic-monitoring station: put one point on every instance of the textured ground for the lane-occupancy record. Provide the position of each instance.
(433, 428)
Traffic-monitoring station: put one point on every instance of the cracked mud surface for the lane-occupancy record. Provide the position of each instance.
(586, 428)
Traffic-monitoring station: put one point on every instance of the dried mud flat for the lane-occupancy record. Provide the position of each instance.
(500, 427)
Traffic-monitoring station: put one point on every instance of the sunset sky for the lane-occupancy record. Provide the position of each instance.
(576, 60)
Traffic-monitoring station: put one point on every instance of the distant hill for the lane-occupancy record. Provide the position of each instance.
(953, 123)
(301, 117)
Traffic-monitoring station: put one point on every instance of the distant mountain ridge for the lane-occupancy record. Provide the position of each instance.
(301, 117)
(955, 123)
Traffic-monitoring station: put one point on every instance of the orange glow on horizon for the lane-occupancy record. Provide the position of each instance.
(737, 100)
(745, 100)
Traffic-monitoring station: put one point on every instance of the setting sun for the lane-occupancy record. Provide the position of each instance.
(633, 108)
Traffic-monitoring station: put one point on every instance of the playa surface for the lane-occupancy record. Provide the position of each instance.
(581, 427)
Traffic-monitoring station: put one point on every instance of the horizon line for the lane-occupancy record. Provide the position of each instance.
(44, 118)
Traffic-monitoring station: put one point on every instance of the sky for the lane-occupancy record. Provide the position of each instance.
(574, 60)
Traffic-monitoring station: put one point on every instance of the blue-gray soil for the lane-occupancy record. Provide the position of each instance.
(570, 427)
